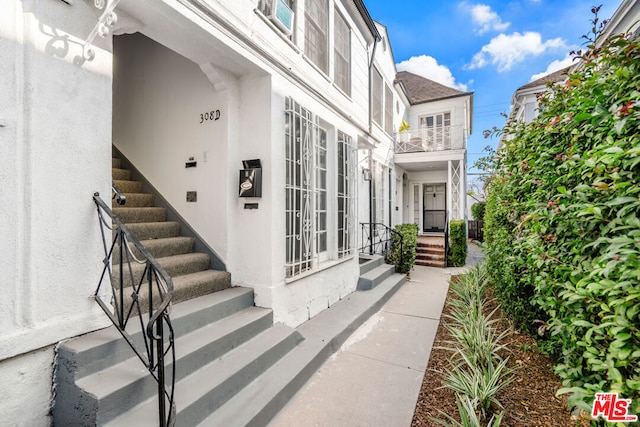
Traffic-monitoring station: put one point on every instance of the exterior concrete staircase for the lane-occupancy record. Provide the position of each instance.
(234, 366)
(223, 343)
(190, 271)
(430, 251)
(374, 271)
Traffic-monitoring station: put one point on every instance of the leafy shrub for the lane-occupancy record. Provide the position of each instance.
(457, 243)
(409, 233)
(563, 228)
(477, 210)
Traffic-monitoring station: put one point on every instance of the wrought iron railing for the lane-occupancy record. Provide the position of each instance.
(146, 300)
(430, 139)
(446, 239)
(377, 239)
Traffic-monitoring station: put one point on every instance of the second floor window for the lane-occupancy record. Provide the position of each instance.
(376, 97)
(438, 130)
(342, 53)
(316, 33)
(388, 110)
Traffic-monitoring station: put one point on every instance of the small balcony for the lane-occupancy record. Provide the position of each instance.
(430, 139)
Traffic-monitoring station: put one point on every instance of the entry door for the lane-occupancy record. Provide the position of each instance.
(434, 197)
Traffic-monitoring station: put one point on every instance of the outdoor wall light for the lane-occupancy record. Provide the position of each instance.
(366, 173)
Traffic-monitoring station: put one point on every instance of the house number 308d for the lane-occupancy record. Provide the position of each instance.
(210, 115)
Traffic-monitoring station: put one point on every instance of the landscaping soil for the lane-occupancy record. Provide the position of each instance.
(528, 401)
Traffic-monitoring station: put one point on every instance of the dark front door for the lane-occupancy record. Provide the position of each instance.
(435, 203)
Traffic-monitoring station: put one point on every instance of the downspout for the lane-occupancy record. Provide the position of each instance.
(371, 227)
(390, 194)
(373, 55)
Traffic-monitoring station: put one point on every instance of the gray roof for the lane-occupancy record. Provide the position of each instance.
(420, 89)
(556, 76)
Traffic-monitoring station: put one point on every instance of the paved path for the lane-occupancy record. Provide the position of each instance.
(375, 377)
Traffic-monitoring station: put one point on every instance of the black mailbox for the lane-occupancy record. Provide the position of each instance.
(251, 179)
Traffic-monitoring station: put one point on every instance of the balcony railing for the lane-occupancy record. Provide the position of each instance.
(430, 139)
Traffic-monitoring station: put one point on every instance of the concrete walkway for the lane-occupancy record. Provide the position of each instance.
(375, 377)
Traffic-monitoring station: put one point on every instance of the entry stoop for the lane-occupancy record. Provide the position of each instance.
(430, 251)
(222, 344)
(374, 271)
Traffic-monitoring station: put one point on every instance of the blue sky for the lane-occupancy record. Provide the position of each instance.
(488, 47)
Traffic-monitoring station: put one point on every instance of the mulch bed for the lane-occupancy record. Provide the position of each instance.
(528, 401)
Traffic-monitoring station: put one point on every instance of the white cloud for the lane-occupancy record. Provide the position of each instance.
(505, 51)
(485, 18)
(554, 66)
(428, 67)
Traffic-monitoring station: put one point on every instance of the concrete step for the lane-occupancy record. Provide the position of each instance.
(260, 401)
(369, 262)
(141, 214)
(430, 257)
(121, 174)
(429, 246)
(159, 248)
(431, 263)
(185, 317)
(154, 230)
(430, 250)
(89, 354)
(113, 388)
(202, 392)
(175, 265)
(116, 163)
(374, 277)
(128, 186)
(135, 200)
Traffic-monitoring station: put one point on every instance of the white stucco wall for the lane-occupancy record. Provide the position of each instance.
(294, 301)
(55, 133)
(55, 150)
(160, 98)
(25, 398)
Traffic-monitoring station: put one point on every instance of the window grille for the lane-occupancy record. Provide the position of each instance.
(347, 165)
(319, 221)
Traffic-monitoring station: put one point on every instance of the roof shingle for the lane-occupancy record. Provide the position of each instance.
(556, 76)
(420, 89)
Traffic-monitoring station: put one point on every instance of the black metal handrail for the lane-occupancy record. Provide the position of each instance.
(446, 239)
(378, 238)
(157, 349)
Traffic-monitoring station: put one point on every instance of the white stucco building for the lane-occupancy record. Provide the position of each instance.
(307, 89)
(431, 155)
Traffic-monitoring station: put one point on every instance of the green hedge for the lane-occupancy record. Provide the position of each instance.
(477, 210)
(457, 243)
(562, 224)
(409, 234)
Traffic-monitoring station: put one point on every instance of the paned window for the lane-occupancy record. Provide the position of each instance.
(376, 97)
(388, 110)
(342, 54)
(438, 130)
(316, 46)
(320, 192)
(347, 160)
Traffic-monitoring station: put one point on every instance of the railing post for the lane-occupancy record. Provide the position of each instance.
(162, 410)
(121, 291)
